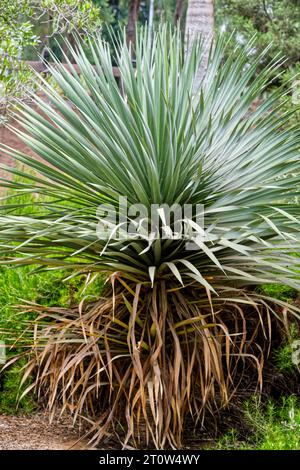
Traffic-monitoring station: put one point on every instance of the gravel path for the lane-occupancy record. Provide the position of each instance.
(34, 432)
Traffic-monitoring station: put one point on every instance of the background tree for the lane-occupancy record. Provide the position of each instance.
(275, 23)
(25, 24)
(200, 22)
(133, 13)
(180, 5)
(276, 26)
(16, 33)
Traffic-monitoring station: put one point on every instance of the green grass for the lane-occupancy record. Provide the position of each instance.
(46, 288)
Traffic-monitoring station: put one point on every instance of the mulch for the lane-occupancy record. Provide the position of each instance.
(34, 432)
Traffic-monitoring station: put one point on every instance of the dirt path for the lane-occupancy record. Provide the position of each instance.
(34, 432)
(7, 137)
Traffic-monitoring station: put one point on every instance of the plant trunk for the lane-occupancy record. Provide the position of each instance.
(200, 24)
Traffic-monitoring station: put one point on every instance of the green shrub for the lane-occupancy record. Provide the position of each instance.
(284, 354)
(11, 391)
(274, 427)
(278, 291)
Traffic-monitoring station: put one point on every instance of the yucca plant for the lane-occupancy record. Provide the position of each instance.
(181, 318)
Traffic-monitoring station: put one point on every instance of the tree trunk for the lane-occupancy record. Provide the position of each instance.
(133, 14)
(200, 23)
(179, 10)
